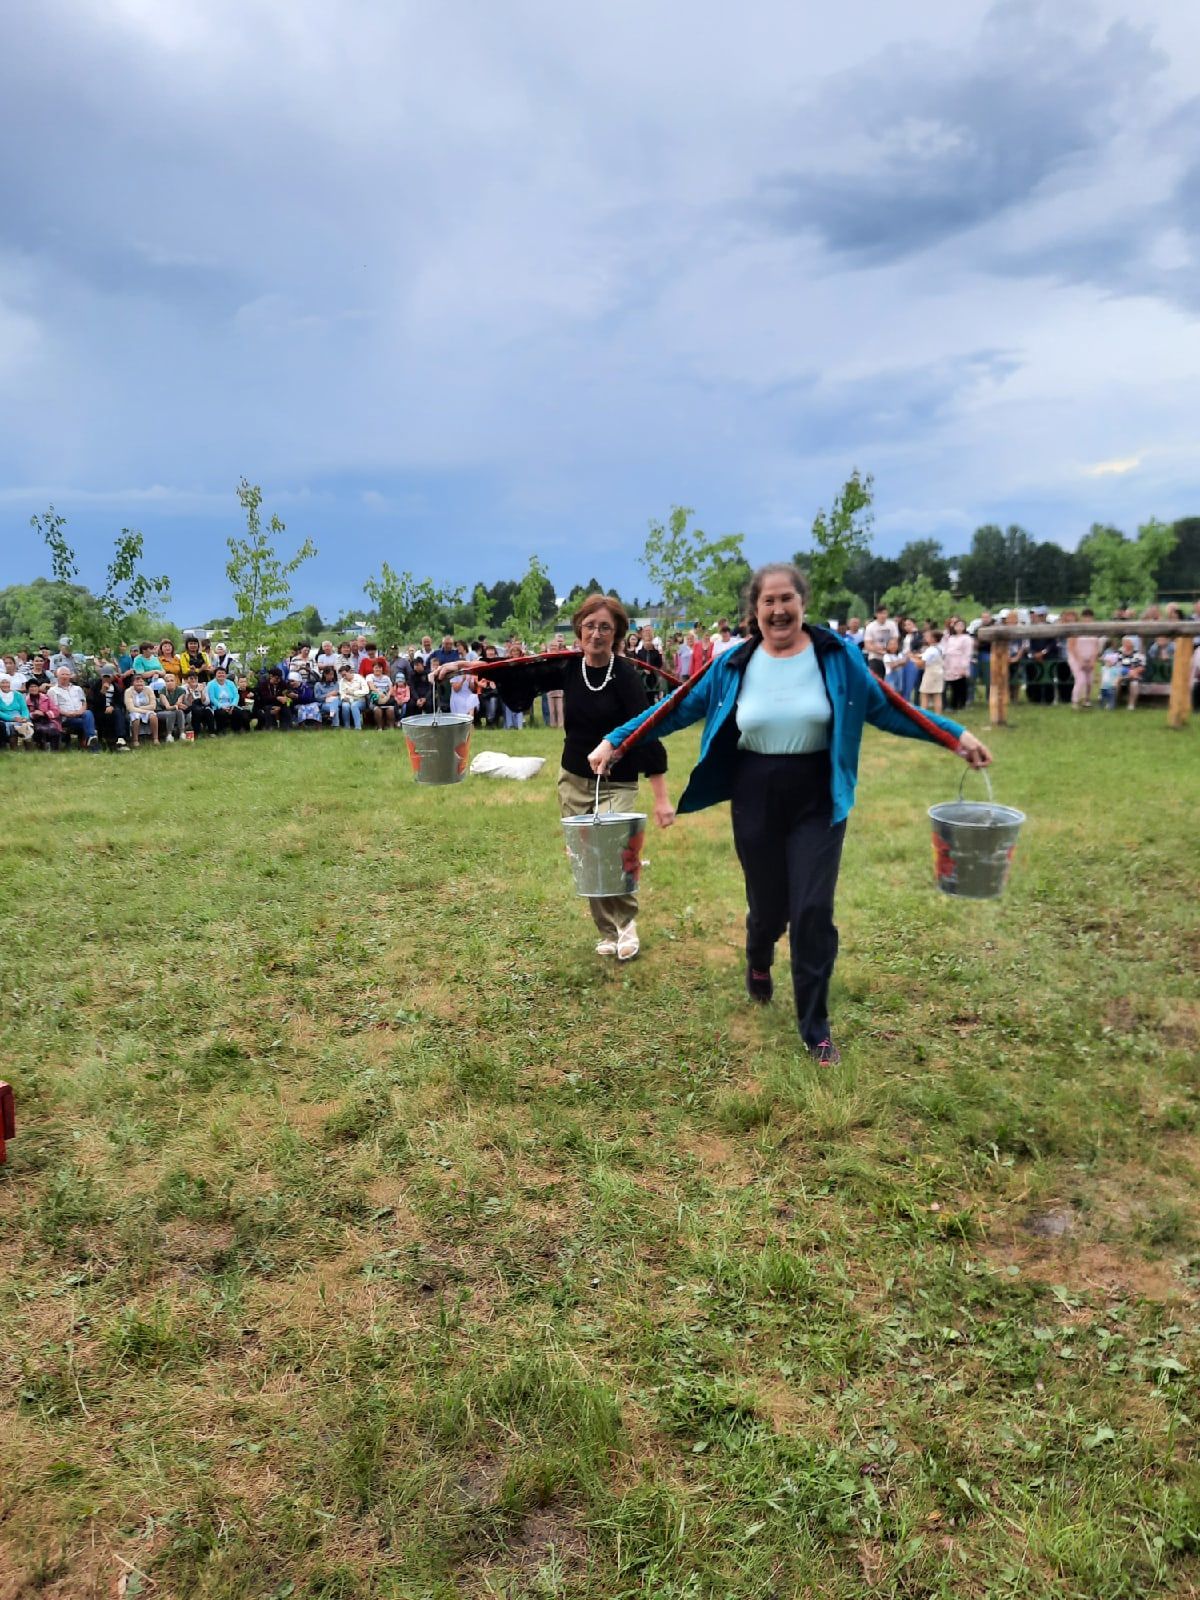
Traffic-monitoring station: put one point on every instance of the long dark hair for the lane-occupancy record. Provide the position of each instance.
(755, 587)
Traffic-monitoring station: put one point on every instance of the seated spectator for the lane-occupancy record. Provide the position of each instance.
(224, 701)
(72, 705)
(420, 690)
(464, 700)
(220, 657)
(172, 707)
(1132, 664)
(16, 725)
(325, 694)
(45, 716)
(141, 710)
(195, 660)
(399, 698)
(273, 701)
(352, 696)
(200, 713)
(103, 664)
(305, 710)
(327, 656)
(245, 703)
(108, 708)
(380, 706)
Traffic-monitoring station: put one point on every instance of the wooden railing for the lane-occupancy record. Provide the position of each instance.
(1179, 706)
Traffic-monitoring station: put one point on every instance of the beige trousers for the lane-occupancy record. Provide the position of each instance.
(610, 912)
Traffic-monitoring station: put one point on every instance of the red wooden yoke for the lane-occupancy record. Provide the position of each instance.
(8, 1118)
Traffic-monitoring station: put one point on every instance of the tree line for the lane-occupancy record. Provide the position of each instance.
(695, 577)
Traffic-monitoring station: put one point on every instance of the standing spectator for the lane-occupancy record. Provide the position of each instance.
(981, 662)
(701, 649)
(141, 709)
(895, 658)
(1083, 654)
(172, 707)
(646, 650)
(125, 662)
(910, 648)
(1017, 651)
(1040, 659)
(855, 632)
(877, 637)
(724, 641)
(446, 652)
(552, 699)
(682, 664)
(194, 659)
(958, 647)
(64, 656)
(224, 701)
(168, 661)
(147, 663)
(108, 708)
(72, 707)
(327, 656)
(221, 658)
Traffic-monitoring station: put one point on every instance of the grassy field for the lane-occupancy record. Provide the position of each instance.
(366, 1236)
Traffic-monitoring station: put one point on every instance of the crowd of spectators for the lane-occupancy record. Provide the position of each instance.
(156, 695)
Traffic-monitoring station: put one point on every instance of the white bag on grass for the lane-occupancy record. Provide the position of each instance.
(494, 764)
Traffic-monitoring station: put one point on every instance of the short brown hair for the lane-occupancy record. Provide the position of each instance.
(599, 602)
(755, 586)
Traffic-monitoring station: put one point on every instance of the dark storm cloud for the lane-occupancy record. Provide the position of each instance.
(916, 147)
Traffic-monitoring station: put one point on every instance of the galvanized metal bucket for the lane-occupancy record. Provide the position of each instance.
(973, 844)
(439, 746)
(605, 850)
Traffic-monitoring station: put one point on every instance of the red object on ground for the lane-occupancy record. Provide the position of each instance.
(8, 1118)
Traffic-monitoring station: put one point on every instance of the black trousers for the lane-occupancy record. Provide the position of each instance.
(790, 855)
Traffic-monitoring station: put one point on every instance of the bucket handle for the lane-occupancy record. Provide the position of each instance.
(596, 800)
(983, 774)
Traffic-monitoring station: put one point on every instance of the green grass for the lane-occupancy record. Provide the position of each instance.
(366, 1236)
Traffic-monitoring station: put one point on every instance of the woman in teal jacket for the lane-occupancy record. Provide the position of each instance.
(783, 720)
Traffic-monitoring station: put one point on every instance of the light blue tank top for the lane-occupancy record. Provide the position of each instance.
(783, 709)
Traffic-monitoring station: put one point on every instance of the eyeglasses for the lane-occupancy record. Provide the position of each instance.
(597, 627)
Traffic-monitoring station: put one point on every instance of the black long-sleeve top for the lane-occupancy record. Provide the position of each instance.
(588, 714)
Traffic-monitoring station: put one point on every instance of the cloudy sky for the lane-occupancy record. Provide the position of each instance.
(459, 282)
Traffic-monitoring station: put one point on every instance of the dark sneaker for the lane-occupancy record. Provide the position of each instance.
(758, 985)
(825, 1054)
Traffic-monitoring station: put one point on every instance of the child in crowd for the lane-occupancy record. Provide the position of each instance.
(933, 679)
(1110, 679)
(1133, 666)
(894, 658)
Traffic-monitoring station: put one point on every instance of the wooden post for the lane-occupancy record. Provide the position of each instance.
(998, 693)
(1179, 707)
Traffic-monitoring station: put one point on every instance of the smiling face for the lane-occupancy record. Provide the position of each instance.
(779, 612)
(597, 633)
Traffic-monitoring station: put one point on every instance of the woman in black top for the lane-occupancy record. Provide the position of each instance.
(596, 682)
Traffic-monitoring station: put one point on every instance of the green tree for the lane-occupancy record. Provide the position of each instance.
(260, 579)
(1180, 571)
(128, 591)
(481, 607)
(406, 606)
(838, 537)
(533, 601)
(686, 566)
(921, 599)
(924, 556)
(1123, 570)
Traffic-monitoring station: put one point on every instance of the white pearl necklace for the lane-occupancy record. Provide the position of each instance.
(597, 688)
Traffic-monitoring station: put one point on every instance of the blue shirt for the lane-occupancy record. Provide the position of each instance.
(782, 708)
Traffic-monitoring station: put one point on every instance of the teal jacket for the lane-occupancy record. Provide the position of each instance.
(855, 697)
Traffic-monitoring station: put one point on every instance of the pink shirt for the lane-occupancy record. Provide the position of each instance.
(1083, 650)
(957, 650)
